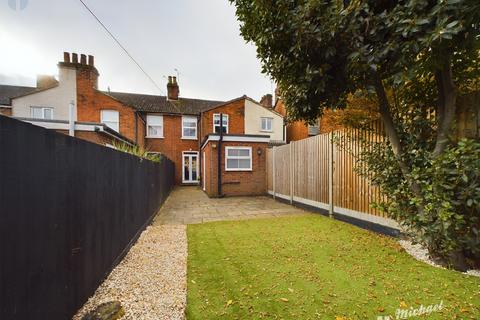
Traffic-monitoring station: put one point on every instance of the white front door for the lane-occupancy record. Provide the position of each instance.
(190, 167)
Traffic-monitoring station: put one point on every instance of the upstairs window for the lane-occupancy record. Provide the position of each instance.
(189, 127)
(216, 123)
(238, 159)
(111, 119)
(41, 113)
(267, 124)
(154, 126)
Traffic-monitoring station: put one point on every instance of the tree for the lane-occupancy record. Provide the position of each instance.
(319, 52)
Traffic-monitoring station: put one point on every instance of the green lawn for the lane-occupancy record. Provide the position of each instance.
(312, 267)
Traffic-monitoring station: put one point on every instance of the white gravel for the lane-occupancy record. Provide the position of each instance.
(151, 281)
(420, 253)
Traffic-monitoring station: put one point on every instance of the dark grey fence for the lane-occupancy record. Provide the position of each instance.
(69, 210)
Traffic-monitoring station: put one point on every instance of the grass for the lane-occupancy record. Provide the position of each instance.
(311, 267)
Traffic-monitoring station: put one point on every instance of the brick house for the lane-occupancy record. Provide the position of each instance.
(176, 127)
(236, 136)
(296, 130)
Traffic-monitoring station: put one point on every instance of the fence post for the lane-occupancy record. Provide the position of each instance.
(291, 171)
(330, 177)
(273, 171)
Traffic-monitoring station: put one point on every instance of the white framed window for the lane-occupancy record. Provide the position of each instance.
(267, 124)
(154, 126)
(238, 158)
(111, 119)
(189, 127)
(216, 123)
(41, 113)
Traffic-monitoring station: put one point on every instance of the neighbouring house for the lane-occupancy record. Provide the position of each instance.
(6, 94)
(73, 105)
(178, 128)
(296, 130)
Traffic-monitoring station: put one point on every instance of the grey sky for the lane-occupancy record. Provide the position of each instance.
(198, 37)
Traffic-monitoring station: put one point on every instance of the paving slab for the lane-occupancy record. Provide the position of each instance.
(190, 205)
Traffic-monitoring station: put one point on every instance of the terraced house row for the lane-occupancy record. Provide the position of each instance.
(220, 145)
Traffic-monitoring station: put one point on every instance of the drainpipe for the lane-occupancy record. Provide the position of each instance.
(71, 119)
(136, 127)
(219, 169)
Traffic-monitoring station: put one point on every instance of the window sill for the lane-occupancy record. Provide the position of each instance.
(232, 170)
(266, 131)
(153, 137)
(189, 138)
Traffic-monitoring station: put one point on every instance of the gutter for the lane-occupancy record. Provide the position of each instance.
(102, 130)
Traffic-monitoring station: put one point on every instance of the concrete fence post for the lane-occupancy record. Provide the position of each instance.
(330, 176)
(291, 169)
(273, 171)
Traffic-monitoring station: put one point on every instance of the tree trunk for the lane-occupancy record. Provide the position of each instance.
(446, 107)
(386, 116)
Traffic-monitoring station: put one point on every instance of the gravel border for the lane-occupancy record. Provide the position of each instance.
(151, 281)
(420, 253)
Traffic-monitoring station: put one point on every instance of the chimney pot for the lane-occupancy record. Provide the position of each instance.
(74, 58)
(174, 80)
(83, 59)
(66, 57)
(91, 60)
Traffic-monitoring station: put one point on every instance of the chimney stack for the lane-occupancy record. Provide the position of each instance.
(45, 81)
(266, 101)
(85, 67)
(173, 89)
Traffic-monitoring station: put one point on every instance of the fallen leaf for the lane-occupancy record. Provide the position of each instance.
(403, 304)
(381, 309)
(284, 299)
(193, 281)
(290, 289)
(229, 302)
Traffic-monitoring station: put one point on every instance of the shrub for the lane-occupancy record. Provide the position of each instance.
(137, 151)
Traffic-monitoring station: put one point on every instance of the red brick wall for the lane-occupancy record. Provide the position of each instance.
(172, 145)
(91, 101)
(236, 118)
(6, 111)
(297, 130)
(236, 183)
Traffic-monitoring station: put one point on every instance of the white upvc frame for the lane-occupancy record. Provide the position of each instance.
(268, 120)
(224, 117)
(112, 124)
(154, 120)
(42, 110)
(189, 119)
(227, 157)
(190, 154)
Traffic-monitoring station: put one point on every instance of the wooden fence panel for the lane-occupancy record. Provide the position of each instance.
(307, 162)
